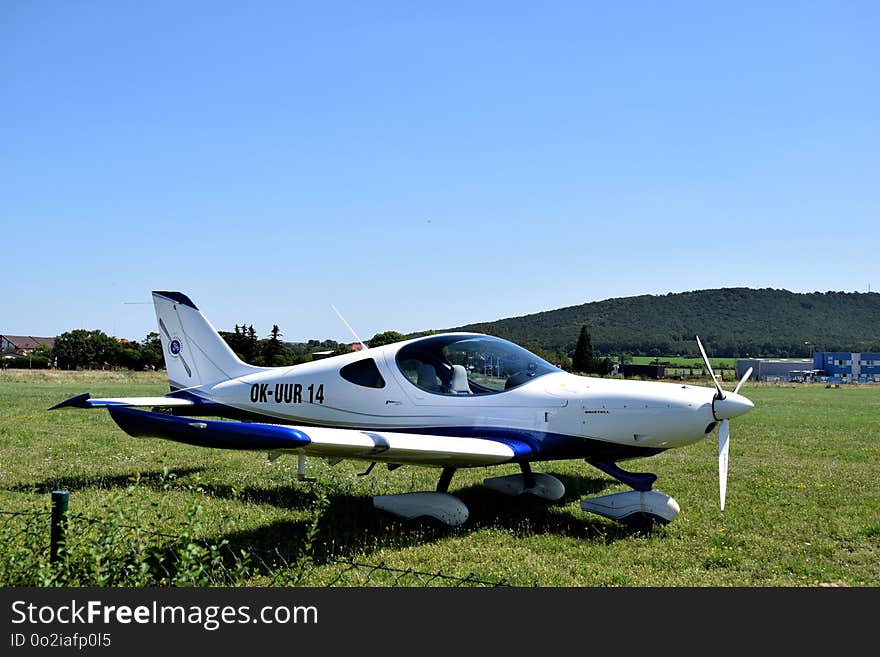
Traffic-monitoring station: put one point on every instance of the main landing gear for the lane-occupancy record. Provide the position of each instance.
(442, 506)
(439, 505)
(639, 507)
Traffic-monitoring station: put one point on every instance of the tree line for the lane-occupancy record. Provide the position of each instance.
(83, 349)
(94, 349)
(273, 352)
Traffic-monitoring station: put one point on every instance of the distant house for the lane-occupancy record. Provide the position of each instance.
(23, 344)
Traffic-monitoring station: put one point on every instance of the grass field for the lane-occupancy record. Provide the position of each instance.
(687, 362)
(803, 504)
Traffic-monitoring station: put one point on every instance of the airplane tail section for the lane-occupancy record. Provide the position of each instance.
(195, 354)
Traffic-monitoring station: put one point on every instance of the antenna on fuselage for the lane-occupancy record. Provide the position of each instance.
(356, 337)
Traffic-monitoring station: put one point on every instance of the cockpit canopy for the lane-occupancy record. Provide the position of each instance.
(469, 364)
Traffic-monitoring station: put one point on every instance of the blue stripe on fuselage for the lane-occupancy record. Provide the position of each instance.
(527, 445)
(541, 445)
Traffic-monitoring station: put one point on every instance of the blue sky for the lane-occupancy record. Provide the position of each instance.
(424, 164)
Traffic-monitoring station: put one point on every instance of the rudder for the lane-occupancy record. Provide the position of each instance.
(195, 354)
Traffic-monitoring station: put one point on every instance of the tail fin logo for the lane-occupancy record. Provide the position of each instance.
(174, 346)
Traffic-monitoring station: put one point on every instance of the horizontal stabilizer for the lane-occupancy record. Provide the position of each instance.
(86, 400)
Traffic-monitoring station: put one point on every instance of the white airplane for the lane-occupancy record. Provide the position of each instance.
(451, 400)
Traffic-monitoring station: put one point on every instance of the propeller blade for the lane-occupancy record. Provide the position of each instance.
(723, 449)
(742, 380)
(709, 367)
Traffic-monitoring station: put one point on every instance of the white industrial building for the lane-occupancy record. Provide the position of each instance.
(775, 369)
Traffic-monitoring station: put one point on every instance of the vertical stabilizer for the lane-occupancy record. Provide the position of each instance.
(195, 354)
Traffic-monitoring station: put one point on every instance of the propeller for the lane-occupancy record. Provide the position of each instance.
(724, 407)
(723, 450)
(742, 380)
(720, 394)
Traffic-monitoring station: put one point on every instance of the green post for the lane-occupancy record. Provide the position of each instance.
(60, 499)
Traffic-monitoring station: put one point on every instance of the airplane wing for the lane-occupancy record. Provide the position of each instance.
(386, 446)
(86, 400)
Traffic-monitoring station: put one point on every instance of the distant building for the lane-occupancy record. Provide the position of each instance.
(836, 366)
(848, 367)
(23, 344)
(644, 371)
(775, 369)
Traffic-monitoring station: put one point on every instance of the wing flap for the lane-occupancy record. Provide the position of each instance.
(386, 446)
(397, 447)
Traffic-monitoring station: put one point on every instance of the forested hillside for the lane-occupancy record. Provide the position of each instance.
(729, 321)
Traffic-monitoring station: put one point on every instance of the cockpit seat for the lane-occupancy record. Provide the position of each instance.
(459, 384)
(427, 377)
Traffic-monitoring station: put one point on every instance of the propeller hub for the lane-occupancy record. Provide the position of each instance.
(730, 406)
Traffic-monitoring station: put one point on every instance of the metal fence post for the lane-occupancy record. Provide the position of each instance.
(60, 499)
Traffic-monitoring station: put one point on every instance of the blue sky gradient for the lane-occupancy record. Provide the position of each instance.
(426, 165)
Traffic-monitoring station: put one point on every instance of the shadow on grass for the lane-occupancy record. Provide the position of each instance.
(290, 497)
(284, 497)
(351, 526)
(152, 479)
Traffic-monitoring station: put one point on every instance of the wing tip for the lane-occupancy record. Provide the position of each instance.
(77, 401)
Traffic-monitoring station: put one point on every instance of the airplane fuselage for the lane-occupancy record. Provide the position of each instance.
(566, 415)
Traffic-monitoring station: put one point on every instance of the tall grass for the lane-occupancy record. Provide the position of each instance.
(803, 505)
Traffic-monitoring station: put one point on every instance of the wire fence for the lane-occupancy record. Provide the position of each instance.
(49, 548)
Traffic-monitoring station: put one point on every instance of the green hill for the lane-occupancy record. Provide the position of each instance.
(729, 321)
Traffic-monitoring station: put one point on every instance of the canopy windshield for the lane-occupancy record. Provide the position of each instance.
(469, 364)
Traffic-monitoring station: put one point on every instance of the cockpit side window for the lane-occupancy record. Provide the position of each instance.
(363, 373)
(469, 364)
